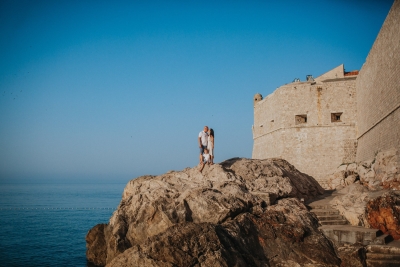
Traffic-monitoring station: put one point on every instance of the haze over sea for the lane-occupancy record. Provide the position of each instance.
(45, 224)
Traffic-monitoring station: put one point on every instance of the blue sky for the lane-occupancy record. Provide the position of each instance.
(112, 90)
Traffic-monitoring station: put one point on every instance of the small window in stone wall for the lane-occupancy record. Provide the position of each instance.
(299, 119)
(336, 117)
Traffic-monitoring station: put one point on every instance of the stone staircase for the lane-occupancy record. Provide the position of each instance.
(328, 216)
(382, 251)
(384, 255)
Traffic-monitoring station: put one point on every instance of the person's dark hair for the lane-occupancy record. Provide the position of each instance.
(212, 132)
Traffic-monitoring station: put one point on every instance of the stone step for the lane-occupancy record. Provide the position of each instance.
(347, 234)
(334, 222)
(380, 263)
(382, 256)
(391, 248)
(323, 212)
(320, 206)
(330, 217)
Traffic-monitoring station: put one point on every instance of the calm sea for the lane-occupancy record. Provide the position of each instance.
(46, 224)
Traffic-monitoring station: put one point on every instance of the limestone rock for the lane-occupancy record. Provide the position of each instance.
(96, 244)
(352, 255)
(383, 172)
(336, 179)
(383, 213)
(357, 184)
(387, 169)
(351, 168)
(352, 201)
(285, 234)
(351, 179)
(151, 205)
(344, 176)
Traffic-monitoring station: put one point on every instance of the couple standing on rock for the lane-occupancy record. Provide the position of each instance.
(206, 145)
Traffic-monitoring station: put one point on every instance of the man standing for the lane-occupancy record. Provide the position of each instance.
(203, 140)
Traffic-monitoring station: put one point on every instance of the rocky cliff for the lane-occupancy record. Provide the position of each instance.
(381, 172)
(240, 212)
(368, 192)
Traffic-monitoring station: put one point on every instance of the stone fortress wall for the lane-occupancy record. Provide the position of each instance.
(338, 117)
(314, 118)
(378, 91)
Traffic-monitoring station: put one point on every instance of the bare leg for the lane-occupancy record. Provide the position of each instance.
(202, 166)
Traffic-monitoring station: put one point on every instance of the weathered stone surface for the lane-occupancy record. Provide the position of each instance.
(387, 169)
(285, 234)
(363, 182)
(96, 245)
(351, 179)
(151, 205)
(351, 168)
(383, 213)
(352, 256)
(383, 172)
(351, 202)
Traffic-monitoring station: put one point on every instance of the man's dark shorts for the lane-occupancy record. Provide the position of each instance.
(202, 149)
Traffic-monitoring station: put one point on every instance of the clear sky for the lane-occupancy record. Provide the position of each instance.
(118, 89)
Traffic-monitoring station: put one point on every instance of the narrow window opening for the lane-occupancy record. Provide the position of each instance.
(336, 117)
(299, 119)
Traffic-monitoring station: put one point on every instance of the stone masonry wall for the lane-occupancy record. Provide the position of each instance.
(378, 91)
(316, 146)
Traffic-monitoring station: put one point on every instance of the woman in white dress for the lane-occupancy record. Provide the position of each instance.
(210, 145)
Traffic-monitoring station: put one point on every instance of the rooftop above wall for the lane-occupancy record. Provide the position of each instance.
(336, 74)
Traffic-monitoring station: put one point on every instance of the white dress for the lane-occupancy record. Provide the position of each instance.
(210, 146)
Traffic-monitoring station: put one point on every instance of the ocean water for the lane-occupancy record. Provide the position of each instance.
(46, 224)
